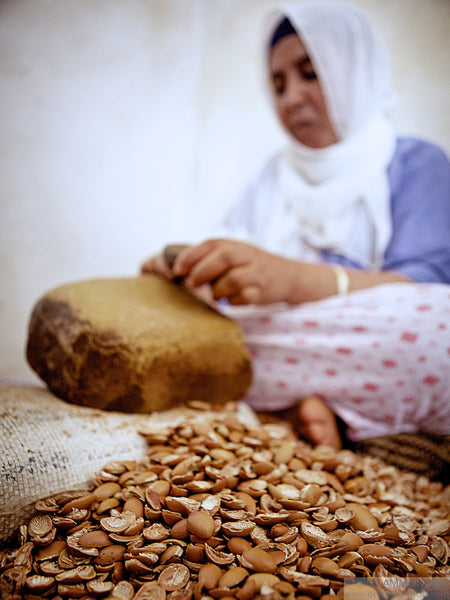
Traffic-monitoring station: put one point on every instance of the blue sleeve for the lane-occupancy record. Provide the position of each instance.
(419, 177)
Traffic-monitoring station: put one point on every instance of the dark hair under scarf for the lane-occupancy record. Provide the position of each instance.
(283, 29)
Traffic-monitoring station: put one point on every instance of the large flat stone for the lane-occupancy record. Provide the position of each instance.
(137, 344)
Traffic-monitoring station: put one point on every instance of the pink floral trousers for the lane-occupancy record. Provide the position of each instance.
(380, 358)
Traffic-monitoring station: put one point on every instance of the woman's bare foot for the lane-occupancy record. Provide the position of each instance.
(317, 423)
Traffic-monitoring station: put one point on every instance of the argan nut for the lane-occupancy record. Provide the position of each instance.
(262, 579)
(209, 576)
(363, 519)
(201, 524)
(94, 539)
(325, 566)
(135, 506)
(237, 545)
(106, 490)
(174, 577)
(110, 554)
(247, 591)
(259, 560)
(180, 530)
(233, 577)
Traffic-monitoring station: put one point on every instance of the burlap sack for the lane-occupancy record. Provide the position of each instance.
(135, 344)
(48, 446)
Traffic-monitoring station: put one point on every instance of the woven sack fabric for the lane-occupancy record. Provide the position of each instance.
(422, 453)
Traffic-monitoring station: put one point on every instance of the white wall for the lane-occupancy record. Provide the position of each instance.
(125, 125)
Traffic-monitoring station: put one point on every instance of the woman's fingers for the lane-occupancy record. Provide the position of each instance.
(206, 262)
(188, 257)
(238, 285)
(157, 264)
(252, 294)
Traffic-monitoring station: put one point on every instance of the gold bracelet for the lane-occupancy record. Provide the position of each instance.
(342, 279)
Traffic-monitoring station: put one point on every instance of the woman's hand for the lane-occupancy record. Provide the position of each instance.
(245, 274)
(239, 272)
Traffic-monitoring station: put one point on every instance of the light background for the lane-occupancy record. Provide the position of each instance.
(125, 125)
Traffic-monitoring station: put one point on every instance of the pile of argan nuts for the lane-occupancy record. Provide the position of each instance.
(219, 510)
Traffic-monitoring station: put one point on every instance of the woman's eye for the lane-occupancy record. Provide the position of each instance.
(306, 70)
(278, 84)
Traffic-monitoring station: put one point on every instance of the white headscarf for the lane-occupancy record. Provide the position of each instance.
(339, 195)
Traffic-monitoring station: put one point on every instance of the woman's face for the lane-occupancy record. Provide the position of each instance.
(299, 100)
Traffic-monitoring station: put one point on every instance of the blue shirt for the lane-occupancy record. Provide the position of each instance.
(419, 180)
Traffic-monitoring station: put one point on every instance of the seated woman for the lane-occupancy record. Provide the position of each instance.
(339, 252)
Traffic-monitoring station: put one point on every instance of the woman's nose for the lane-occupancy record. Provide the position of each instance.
(295, 92)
